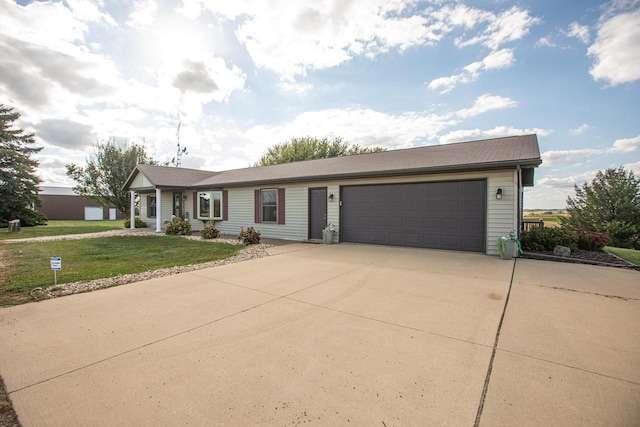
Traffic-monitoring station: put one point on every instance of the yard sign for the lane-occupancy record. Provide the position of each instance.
(56, 264)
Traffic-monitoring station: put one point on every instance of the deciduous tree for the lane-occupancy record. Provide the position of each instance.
(106, 171)
(309, 148)
(18, 179)
(609, 204)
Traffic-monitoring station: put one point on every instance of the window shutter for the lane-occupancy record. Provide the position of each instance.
(225, 205)
(148, 206)
(280, 205)
(195, 205)
(256, 206)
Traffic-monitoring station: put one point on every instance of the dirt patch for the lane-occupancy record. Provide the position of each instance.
(8, 417)
(580, 255)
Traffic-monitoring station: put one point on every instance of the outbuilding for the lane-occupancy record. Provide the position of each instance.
(460, 196)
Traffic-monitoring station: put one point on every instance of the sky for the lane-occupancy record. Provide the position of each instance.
(241, 76)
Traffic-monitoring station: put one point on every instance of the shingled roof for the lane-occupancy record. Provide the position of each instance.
(496, 153)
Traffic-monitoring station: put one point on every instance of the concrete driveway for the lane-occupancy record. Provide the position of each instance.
(335, 335)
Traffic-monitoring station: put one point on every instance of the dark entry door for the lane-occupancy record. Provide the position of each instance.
(177, 204)
(317, 212)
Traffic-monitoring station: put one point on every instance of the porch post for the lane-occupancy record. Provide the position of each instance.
(132, 216)
(158, 210)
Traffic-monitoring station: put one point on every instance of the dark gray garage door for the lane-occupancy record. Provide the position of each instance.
(439, 215)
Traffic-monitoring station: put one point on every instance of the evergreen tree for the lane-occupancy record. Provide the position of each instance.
(18, 179)
(609, 204)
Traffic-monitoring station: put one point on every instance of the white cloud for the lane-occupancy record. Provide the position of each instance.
(495, 60)
(144, 14)
(635, 167)
(625, 145)
(556, 157)
(545, 41)
(508, 26)
(497, 132)
(190, 9)
(291, 38)
(567, 181)
(486, 103)
(581, 32)
(616, 53)
(580, 129)
(571, 157)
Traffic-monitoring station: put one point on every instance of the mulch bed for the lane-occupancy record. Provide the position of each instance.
(582, 256)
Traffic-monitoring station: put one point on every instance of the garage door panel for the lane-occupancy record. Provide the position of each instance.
(446, 215)
(450, 224)
(396, 222)
(431, 224)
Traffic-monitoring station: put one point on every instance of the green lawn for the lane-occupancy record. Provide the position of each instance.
(59, 228)
(630, 255)
(552, 219)
(87, 259)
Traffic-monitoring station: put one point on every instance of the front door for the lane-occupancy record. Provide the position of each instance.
(177, 204)
(317, 212)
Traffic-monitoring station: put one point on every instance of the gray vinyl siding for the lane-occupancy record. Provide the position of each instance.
(241, 213)
(501, 214)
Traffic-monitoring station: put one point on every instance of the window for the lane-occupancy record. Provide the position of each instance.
(269, 205)
(217, 204)
(204, 205)
(210, 205)
(151, 206)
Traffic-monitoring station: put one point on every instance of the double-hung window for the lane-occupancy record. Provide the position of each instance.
(269, 205)
(210, 205)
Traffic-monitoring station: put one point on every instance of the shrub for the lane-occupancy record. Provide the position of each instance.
(138, 223)
(249, 236)
(178, 226)
(591, 240)
(210, 232)
(545, 239)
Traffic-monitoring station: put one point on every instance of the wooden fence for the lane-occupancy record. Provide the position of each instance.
(529, 224)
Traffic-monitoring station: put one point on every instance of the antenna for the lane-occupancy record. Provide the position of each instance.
(177, 161)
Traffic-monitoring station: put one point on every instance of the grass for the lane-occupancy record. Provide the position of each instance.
(28, 265)
(631, 255)
(60, 228)
(552, 219)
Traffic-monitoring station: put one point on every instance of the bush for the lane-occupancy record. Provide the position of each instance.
(545, 239)
(138, 223)
(178, 227)
(210, 232)
(249, 236)
(591, 240)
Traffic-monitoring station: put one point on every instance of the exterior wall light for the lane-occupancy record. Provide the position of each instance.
(331, 197)
(499, 193)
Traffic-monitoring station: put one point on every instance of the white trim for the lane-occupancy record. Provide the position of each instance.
(212, 198)
(132, 216)
(158, 210)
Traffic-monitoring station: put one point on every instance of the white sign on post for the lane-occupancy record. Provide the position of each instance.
(56, 264)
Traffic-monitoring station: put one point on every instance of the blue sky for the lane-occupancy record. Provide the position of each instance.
(244, 75)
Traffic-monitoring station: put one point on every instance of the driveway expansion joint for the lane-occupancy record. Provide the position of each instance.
(495, 348)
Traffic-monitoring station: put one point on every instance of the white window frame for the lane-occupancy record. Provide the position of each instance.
(213, 196)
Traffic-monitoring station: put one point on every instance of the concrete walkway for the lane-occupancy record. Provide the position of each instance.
(335, 335)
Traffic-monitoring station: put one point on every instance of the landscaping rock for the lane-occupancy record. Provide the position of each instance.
(563, 251)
